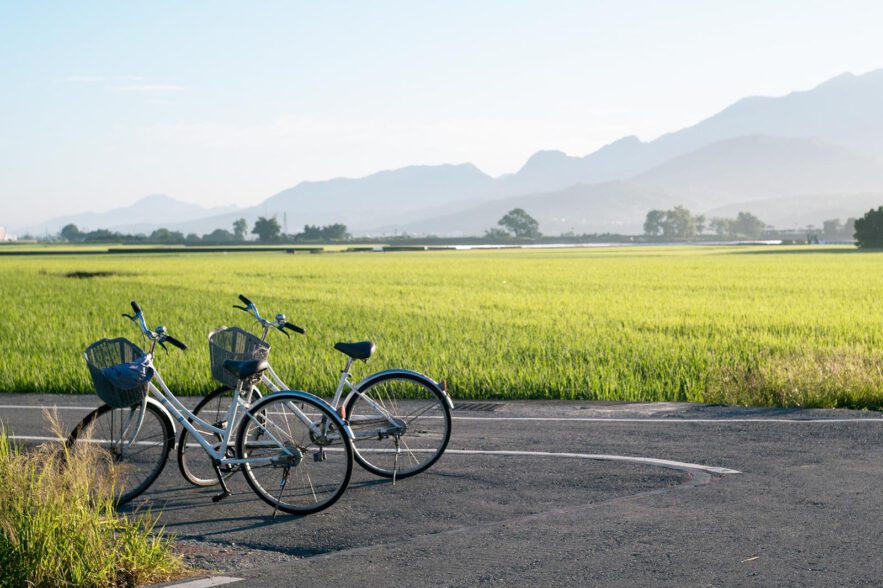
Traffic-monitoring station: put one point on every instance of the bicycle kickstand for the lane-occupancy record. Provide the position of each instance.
(395, 466)
(225, 492)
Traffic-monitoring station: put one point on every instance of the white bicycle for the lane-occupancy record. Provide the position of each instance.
(400, 419)
(295, 451)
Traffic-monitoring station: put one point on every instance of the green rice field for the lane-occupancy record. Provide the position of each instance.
(798, 326)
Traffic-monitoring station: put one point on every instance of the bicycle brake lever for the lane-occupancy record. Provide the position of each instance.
(163, 345)
(129, 316)
(282, 330)
(240, 307)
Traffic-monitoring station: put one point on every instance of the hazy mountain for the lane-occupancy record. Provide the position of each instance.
(409, 188)
(758, 167)
(387, 197)
(843, 111)
(144, 215)
(553, 170)
(733, 171)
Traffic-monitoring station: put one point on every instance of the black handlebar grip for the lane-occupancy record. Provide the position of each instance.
(136, 308)
(176, 343)
(295, 328)
(244, 299)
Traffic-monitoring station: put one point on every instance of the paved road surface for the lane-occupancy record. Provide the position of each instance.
(516, 501)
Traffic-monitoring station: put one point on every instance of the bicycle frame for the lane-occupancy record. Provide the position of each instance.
(160, 393)
(275, 384)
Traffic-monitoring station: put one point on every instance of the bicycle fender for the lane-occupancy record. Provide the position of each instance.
(408, 374)
(167, 414)
(341, 424)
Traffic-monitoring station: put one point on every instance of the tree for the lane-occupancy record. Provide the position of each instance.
(71, 233)
(869, 230)
(748, 226)
(239, 229)
(163, 235)
(653, 223)
(496, 233)
(219, 236)
(267, 229)
(520, 224)
(679, 224)
(311, 233)
(335, 232)
(101, 236)
(723, 227)
(676, 223)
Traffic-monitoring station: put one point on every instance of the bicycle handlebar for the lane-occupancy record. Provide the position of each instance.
(158, 336)
(280, 323)
(175, 342)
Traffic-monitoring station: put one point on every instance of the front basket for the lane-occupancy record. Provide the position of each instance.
(236, 344)
(113, 353)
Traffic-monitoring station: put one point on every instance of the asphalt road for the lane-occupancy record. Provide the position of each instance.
(549, 493)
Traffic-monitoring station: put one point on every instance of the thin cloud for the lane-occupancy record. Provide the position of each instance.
(151, 88)
(82, 79)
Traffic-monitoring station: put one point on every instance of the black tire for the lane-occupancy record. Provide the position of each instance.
(419, 404)
(141, 467)
(193, 462)
(309, 474)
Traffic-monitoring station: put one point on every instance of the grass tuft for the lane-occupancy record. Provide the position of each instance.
(814, 379)
(58, 527)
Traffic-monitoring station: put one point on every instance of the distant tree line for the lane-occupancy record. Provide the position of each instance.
(676, 224)
(679, 224)
(266, 230)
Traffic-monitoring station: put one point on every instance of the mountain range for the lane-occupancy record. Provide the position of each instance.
(791, 160)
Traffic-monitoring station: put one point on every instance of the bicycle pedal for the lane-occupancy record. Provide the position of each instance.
(221, 496)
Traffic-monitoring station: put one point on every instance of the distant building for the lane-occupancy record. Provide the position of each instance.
(3, 235)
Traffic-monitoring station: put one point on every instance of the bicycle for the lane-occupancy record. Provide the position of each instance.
(395, 415)
(295, 451)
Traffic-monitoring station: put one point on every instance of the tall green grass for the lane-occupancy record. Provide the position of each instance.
(58, 527)
(716, 324)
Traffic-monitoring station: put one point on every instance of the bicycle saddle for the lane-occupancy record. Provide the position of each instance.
(245, 369)
(360, 350)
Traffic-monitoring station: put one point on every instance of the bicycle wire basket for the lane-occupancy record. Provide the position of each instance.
(119, 353)
(237, 344)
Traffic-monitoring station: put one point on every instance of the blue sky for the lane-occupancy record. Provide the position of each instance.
(227, 103)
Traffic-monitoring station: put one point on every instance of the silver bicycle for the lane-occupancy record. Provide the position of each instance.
(400, 419)
(295, 451)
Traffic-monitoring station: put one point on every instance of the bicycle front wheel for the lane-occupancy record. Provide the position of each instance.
(300, 461)
(401, 423)
(135, 455)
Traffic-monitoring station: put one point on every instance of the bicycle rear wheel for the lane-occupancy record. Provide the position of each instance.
(407, 433)
(135, 456)
(193, 462)
(301, 472)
